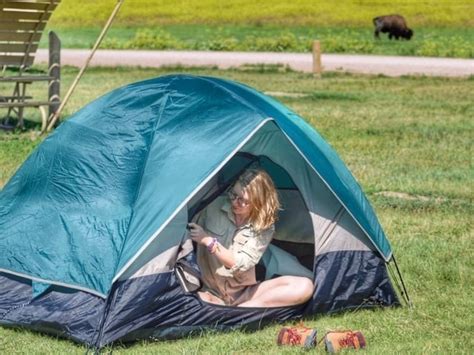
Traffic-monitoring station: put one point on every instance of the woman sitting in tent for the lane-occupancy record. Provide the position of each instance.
(232, 234)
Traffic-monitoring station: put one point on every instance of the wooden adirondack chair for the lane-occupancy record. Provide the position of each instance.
(22, 23)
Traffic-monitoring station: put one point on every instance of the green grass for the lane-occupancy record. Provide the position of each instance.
(320, 13)
(442, 28)
(435, 42)
(408, 141)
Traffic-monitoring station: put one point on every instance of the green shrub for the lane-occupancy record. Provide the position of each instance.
(145, 39)
(112, 43)
(285, 42)
(427, 42)
(455, 47)
(347, 45)
(222, 44)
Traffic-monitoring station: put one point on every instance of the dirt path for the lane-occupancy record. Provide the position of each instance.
(366, 64)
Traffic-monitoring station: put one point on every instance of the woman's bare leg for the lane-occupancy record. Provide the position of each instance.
(210, 298)
(281, 291)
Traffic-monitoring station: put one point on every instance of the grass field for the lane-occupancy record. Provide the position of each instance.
(442, 28)
(408, 141)
(320, 13)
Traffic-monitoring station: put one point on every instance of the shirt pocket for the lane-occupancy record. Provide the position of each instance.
(242, 238)
(216, 226)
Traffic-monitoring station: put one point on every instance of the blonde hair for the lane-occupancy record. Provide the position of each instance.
(263, 198)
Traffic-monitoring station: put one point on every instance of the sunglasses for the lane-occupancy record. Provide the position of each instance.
(240, 200)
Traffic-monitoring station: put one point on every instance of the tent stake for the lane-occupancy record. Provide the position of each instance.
(84, 67)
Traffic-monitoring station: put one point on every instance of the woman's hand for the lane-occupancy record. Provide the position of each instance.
(197, 234)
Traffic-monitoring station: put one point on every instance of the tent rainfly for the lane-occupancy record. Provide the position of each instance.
(93, 224)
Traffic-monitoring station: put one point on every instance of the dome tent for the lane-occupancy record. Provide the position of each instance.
(93, 222)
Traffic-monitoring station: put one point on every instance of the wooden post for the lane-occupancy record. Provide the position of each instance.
(55, 72)
(317, 67)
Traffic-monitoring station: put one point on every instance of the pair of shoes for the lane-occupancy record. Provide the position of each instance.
(337, 340)
(299, 335)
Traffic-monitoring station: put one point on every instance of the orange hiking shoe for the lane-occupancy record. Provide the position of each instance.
(299, 335)
(335, 341)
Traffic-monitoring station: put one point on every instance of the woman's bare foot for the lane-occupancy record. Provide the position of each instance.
(210, 298)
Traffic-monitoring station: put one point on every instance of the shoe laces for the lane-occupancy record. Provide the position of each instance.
(293, 336)
(348, 340)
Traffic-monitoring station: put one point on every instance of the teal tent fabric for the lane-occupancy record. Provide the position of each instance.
(39, 288)
(89, 198)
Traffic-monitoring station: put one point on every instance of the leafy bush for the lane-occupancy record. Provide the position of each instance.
(145, 39)
(221, 44)
(425, 43)
(456, 47)
(285, 42)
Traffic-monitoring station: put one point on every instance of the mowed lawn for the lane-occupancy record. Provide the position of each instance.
(407, 140)
(443, 28)
(320, 13)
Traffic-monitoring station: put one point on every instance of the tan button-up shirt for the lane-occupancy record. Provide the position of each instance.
(246, 244)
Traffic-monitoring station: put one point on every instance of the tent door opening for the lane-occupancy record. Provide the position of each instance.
(291, 251)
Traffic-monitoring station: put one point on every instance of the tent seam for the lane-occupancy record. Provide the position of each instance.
(108, 299)
(29, 277)
(162, 108)
(233, 94)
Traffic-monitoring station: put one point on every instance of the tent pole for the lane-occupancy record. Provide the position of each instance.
(410, 304)
(55, 117)
(395, 280)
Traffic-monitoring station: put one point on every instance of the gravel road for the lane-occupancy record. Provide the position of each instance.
(365, 64)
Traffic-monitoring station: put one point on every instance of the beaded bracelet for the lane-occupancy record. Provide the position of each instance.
(212, 246)
(215, 249)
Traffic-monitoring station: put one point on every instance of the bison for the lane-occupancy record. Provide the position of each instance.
(395, 25)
